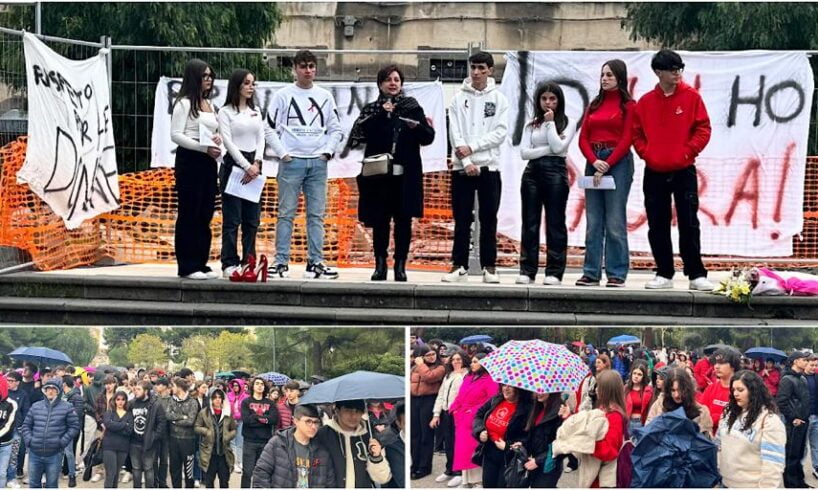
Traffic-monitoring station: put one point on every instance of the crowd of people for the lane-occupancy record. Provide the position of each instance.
(668, 127)
(761, 415)
(124, 425)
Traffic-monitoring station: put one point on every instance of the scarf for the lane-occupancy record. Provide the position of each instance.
(403, 105)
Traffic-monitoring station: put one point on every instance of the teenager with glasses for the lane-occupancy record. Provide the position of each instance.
(426, 378)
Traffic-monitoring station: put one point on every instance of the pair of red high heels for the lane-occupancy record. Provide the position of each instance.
(252, 271)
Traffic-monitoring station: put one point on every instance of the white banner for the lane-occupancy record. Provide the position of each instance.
(350, 97)
(70, 161)
(751, 174)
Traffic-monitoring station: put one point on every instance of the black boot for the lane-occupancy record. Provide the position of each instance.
(400, 270)
(380, 269)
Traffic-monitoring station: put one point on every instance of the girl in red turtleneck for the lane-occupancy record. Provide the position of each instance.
(605, 141)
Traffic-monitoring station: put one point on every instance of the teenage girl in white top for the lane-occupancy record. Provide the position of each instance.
(195, 170)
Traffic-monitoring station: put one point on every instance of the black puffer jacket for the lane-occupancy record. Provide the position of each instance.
(276, 466)
(793, 397)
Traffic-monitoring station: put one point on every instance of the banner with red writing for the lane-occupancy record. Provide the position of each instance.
(751, 174)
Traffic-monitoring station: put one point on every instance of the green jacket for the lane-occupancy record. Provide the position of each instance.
(206, 429)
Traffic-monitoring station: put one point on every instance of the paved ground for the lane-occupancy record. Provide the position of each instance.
(235, 482)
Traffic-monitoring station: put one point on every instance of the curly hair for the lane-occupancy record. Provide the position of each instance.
(687, 389)
(760, 398)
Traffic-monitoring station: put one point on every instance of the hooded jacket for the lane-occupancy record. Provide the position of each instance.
(669, 132)
(478, 119)
(793, 396)
(235, 400)
(215, 434)
(74, 397)
(23, 405)
(149, 419)
(277, 468)
(349, 451)
(181, 415)
(50, 426)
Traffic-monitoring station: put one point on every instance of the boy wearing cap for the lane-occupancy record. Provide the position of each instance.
(49, 428)
(793, 402)
(717, 396)
(350, 447)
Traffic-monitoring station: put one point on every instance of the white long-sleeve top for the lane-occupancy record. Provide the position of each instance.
(242, 131)
(305, 122)
(184, 129)
(544, 141)
(478, 119)
(448, 391)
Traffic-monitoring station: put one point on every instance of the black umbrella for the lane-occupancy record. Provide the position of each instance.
(714, 347)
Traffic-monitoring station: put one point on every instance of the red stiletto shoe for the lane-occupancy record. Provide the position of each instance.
(261, 269)
(244, 274)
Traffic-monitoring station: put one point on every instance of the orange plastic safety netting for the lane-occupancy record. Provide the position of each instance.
(142, 229)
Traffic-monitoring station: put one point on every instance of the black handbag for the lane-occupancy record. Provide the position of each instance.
(515, 474)
(477, 457)
(92, 457)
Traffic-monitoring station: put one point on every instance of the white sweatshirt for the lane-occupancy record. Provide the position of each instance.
(544, 141)
(478, 119)
(242, 132)
(184, 129)
(304, 122)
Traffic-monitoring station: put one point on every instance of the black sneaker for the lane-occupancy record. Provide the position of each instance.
(615, 282)
(278, 271)
(319, 271)
(586, 281)
(72, 481)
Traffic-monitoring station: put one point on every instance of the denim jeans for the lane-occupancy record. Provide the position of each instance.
(5, 457)
(48, 465)
(607, 222)
(309, 175)
(72, 460)
(812, 436)
(238, 443)
(11, 470)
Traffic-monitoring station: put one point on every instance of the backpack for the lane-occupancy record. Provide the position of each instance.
(624, 465)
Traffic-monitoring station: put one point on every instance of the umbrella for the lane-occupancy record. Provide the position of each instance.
(359, 385)
(765, 353)
(489, 347)
(672, 453)
(225, 374)
(108, 367)
(475, 339)
(240, 374)
(535, 365)
(624, 340)
(714, 347)
(277, 379)
(40, 356)
(451, 348)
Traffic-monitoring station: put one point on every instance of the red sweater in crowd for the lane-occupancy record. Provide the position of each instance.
(669, 132)
(608, 125)
(715, 398)
(703, 372)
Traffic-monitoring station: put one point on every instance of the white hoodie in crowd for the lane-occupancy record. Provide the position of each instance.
(478, 119)
(304, 122)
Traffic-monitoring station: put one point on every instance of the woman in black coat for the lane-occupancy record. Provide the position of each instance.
(499, 424)
(394, 124)
(118, 424)
(543, 422)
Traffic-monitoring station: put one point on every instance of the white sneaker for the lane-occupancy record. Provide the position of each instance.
(237, 469)
(455, 482)
(567, 469)
(197, 484)
(552, 281)
(442, 477)
(212, 274)
(457, 274)
(490, 275)
(126, 477)
(13, 484)
(198, 276)
(523, 279)
(701, 284)
(659, 282)
(97, 477)
(230, 270)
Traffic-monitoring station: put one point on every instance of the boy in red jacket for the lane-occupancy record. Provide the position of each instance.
(671, 127)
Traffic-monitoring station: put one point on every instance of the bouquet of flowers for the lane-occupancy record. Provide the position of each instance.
(739, 286)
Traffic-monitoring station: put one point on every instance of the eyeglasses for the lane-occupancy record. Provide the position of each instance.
(677, 70)
(311, 422)
(430, 354)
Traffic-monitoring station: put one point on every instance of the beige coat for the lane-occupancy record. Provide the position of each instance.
(704, 420)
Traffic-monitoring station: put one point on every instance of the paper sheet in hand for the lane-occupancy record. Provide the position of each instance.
(250, 191)
(206, 138)
(606, 184)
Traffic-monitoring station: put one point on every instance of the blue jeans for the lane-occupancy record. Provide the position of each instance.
(812, 437)
(11, 471)
(238, 443)
(634, 424)
(309, 175)
(5, 457)
(72, 460)
(50, 465)
(607, 222)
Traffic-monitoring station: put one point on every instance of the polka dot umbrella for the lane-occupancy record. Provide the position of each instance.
(536, 366)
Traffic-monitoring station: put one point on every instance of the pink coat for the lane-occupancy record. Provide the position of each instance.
(472, 395)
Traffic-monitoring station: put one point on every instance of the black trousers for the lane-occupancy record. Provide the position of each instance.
(180, 453)
(494, 467)
(544, 184)
(683, 187)
(251, 451)
(446, 431)
(217, 466)
(488, 186)
(237, 213)
(113, 461)
(402, 233)
(196, 186)
(160, 466)
(423, 438)
(796, 445)
(143, 463)
(546, 480)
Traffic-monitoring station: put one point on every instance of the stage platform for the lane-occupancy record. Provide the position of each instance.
(153, 295)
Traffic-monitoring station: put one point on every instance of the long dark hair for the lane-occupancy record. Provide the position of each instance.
(760, 398)
(642, 366)
(480, 373)
(192, 84)
(688, 390)
(537, 407)
(422, 350)
(463, 356)
(560, 119)
(620, 72)
(234, 89)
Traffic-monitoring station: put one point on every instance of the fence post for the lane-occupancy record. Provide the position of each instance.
(474, 256)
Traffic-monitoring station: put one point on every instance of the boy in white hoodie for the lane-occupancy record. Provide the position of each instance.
(477, 128)
(306, 130)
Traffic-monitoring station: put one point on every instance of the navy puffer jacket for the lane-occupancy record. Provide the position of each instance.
(50, 426)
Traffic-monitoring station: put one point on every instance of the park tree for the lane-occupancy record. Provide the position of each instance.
(228, 351)
(77, 343)
(147, 350)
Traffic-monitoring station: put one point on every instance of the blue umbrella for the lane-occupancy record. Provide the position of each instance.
(40, 355)
(624, 340)
(360, 385)
(765, 353)
(277, 379)
(475, 339)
